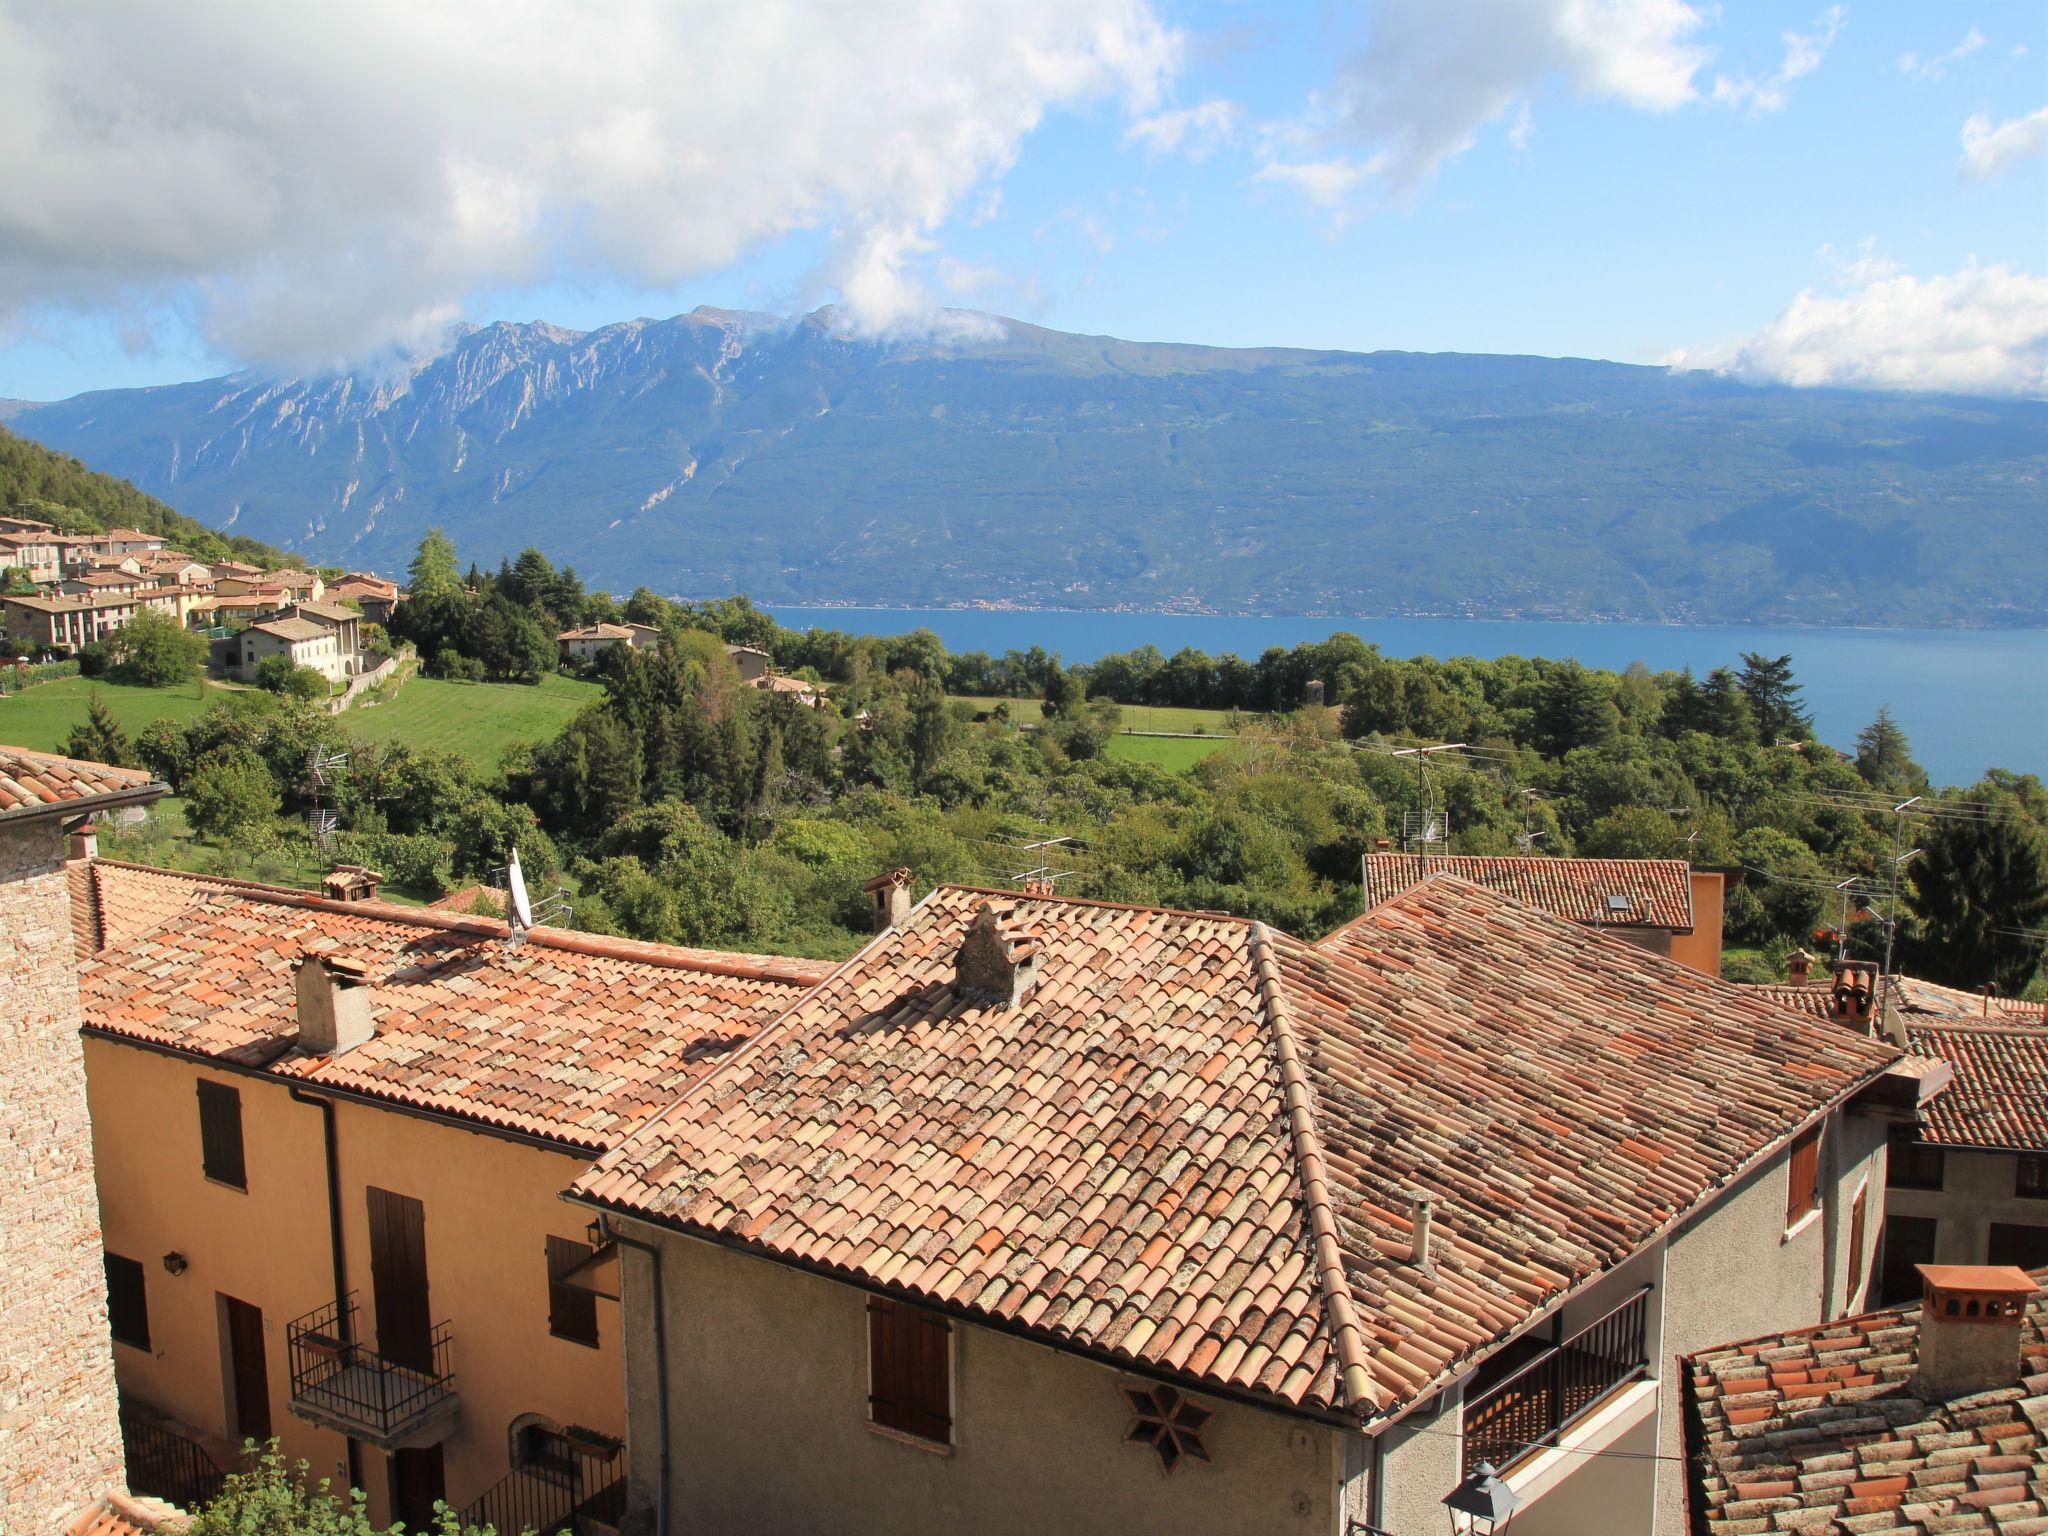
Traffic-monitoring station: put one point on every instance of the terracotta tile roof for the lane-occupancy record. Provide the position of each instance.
(32, 783)
(1820, 1430)
(1194, 1144)
(1999, 1098)
(292, 629)
(73, 602)
(334, 611)
(1658, 891)
(597, 632)
(1917, 999)
(572, 1037)
(127, 1514)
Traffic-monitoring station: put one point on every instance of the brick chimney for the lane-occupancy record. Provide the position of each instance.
(1972, 1319)
(889, 896)
(334, 1002)
(1854, 994)
(1798, 965)
(350, 882)
(1383, 844)
(1038, 885)
(995, 963)
(84, 842)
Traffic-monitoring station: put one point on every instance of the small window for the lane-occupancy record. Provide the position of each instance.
(910, 1385)
(220, 1134)
(572, 1311)
(2022, 1246)
(1802, 1186)
(547, 1453)
(1911, 1164)
(127, 1302)
(2030, 1177)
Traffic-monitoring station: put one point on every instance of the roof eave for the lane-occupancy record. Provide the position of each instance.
(87, 805)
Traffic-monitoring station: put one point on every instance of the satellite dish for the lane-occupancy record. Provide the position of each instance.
(515, 886)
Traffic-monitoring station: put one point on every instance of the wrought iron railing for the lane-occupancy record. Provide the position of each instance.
(1533, 1406)
(343, 1380)
(163, 1464)
(554, 1499)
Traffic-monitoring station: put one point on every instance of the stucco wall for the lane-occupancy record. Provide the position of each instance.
(1038, 1435)
(1701, 949)
(60, 1441)
(1976, 1190)
(1421, 1460)
(490, 1205)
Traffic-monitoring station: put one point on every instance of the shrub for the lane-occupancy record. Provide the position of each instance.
(282, 675)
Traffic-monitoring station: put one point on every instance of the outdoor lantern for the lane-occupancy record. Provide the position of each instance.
(174, 1263)
(1483, 1504)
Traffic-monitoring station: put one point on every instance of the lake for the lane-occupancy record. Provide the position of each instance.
(1968, 699)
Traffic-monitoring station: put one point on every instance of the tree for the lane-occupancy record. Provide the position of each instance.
(1977, 887)
(282, 675)
(99, 737)
(1574, 710)
(432, 571)
(157, 651)
(1884, 758)
(270, 1497)
(230, 793)
(1766, 681)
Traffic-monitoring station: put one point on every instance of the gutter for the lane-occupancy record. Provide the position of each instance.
(335, 1247)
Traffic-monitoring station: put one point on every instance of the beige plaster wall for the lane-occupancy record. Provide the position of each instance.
(1421, 1460)
(769, 1429)
(1976, 1190)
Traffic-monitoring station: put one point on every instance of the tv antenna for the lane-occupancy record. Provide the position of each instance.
(322, 819)
(1428, 823)
(521, 910)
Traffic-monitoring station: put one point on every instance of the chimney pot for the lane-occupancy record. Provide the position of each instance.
(994, 963)
(1854, 994)
(85, 842)
(1971, 1318)
(889, 894)
(1421, 1225)
(1798, 965)
(1384, 844)
(334, 1002)
(350, 882)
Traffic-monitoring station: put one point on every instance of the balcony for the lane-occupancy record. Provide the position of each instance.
(342, 1385)
(1553, 1385)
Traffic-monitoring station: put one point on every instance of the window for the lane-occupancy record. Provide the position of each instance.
(220, 1134)
(909, 1372)
(1911, 1164)
(1905, 1242)
(2030, 1177)
(572, 1311)
(2011, 1243)
(1802, 1186)
(127, 1302)
(1856, 1219)
(547, 1453)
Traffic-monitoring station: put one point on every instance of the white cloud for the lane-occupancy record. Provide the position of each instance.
(1803, 54)
(317, 183)
(1196, 131)
(1980, 331)
(1989, 147)
(1325, 183)
(1911, 64)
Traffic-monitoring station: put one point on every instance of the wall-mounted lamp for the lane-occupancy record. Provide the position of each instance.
(1481, 1505)
(174, 1263)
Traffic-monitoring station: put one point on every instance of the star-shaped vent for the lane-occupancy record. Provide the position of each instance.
(1168, 1422)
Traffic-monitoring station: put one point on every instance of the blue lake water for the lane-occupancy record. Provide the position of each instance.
(1968, 699)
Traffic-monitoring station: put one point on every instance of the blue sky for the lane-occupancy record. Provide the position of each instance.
(1624, 203)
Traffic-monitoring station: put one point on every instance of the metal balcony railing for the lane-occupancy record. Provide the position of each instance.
(563, 1498)
(1533, 1406)
(348, 1386)
(163, 1464)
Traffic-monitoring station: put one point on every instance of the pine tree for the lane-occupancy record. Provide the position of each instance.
(99, 737)
(433, 566)
(1884, 758)
(1766, 682)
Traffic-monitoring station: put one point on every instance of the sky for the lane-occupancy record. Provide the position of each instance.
(1850, 194)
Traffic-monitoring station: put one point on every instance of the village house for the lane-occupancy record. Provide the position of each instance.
(376, 596)
(35, 550)
(1056, 1215)
(69, 622)
(754, 663)
(1927, 1417)
(290, 585)
(12, 524)
(102, 582)
(235, 568)
(346, 625)
(305, 642)
(331, 1138)
(62, 1467)
(593, 640)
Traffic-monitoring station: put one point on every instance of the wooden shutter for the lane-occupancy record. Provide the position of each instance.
(398, 1279)
(1856, 1216)
(127, 1302)
(910, 1370)
(1802, 1187)
(220, 1134)
(572, 1311)
(248, 1367)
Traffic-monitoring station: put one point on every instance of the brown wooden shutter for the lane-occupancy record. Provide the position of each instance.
(909, 1370)
(572, 1311)
(127, 1302)
(220, 1134)
(1856, 1215)
(1802, 1186)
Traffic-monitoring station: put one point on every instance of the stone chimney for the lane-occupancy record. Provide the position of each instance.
(996, 964)
(1854, 995)
(334, 1002)
(1972, 1322)
(889, 896)
(1038, 885)
(1383, 844)
(350, 882)
(1798, 965)
(1312, 692)
(85, 842)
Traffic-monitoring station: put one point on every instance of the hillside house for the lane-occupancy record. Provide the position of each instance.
(68, 622)
(753, 662)
(1662, 905)
(346, 625)
(289, 584)
(356, 1166)
(306, 643)
(1054, 1215)
(374, 595)
(593, 640)
(103, 582)
(35, 550)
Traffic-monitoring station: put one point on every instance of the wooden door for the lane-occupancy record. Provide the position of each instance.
(398, 1279)
(417, 1480)
(248, 1370)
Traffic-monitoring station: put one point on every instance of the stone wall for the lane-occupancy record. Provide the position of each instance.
(60, 1439)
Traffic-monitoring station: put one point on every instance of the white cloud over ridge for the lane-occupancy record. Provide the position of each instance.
(1196, 131)
(1989, 147)
(322, 183)
(1980, 331)
(1803, 54)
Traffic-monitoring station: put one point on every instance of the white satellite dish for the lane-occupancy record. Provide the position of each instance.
(515, 886)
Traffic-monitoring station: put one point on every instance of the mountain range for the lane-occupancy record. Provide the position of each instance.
(998, 462)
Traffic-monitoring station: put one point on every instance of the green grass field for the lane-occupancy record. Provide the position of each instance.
(1178, 753)
(41, 717)
(1136, 717)
(478, 720)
